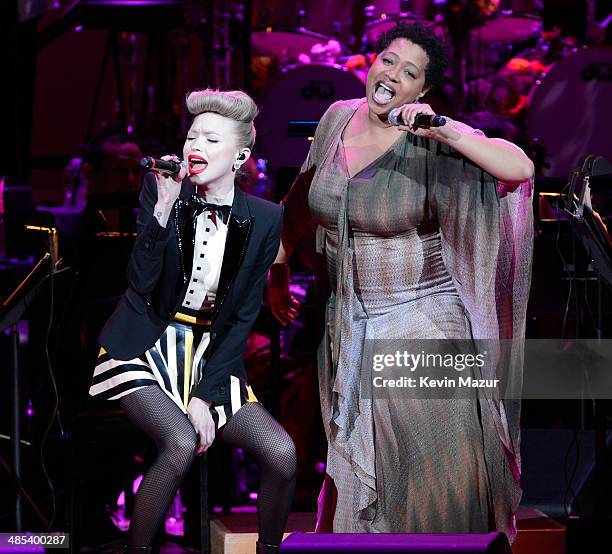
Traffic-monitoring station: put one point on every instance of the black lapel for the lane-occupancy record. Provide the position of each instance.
(238, 233)
(185, 229)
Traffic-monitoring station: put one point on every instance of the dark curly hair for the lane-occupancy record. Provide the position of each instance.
(426, 38)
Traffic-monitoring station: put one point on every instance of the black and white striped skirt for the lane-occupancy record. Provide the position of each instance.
(175, 364)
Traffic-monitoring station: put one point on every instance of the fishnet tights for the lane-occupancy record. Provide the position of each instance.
(252, 428)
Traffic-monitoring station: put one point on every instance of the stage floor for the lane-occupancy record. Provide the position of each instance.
(236, 533)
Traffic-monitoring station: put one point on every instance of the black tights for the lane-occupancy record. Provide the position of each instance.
(252, 428)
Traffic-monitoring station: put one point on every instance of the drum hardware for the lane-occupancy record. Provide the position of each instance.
(222, 47)
(418, 9)
(300, 19)
(303, 129)
(264, 18)
(539, 155)
(263, 187)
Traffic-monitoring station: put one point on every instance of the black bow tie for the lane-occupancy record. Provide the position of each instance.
(199, 205)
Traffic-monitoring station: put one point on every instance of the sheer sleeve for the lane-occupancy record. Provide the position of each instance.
(487, 242)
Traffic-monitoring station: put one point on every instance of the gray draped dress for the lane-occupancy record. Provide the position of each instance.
(403, 265)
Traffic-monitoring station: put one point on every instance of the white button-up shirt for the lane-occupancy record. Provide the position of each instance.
(210, 236)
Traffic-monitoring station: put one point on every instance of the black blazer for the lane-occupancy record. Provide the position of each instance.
(159, 271)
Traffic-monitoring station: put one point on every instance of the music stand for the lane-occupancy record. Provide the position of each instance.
(585, 222)
(590, 229)
(12, 310)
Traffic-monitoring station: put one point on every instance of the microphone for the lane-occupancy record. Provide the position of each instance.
(167, 166)
(421, 120)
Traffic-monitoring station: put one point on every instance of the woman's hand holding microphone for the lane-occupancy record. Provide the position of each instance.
(405, 118)
(168, 190)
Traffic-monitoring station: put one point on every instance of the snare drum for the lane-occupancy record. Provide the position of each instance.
(570, 109)
(301, 94)
(499, 38)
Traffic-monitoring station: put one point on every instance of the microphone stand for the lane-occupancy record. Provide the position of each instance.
(11, 312)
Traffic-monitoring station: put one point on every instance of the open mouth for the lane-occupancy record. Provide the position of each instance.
(197, 164)
(383, 93)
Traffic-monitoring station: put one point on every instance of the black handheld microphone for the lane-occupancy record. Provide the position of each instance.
(167, 166)
(421, 120)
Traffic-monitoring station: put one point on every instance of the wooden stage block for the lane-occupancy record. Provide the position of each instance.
(236, 533)
(538, 533)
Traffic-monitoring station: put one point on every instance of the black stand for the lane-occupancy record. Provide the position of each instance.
(590, 230)
(204, 516)
(11, 312)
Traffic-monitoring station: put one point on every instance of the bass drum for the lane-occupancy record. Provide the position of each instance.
(300, 95)
(570, 110)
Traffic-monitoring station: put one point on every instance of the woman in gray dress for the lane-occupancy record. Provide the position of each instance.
(426, 233)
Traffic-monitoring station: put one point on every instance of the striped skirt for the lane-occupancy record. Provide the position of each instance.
(174, 363)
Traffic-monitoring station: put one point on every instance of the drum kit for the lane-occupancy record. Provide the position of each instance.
(511, 68)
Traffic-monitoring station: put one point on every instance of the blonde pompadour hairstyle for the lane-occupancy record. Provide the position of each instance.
(234, 104)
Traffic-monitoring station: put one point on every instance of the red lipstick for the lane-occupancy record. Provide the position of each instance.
(197, 164)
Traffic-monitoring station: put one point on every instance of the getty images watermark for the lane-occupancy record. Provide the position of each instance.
(498, 369)
(430, 361)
